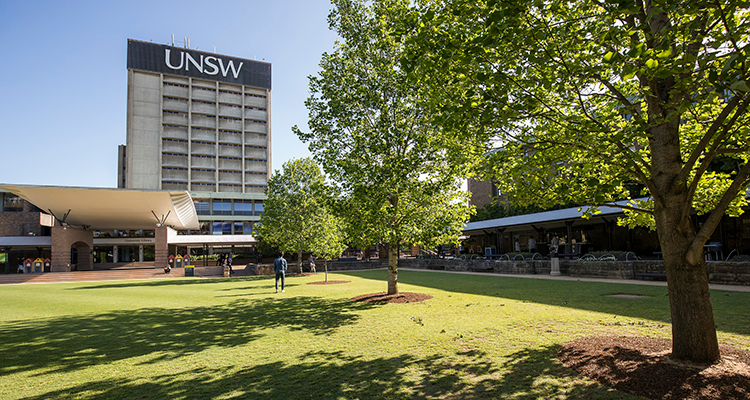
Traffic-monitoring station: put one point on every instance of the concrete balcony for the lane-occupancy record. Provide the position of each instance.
(256, 139)
(227, 137)
(252, 152)
(175, 119)
(230, 98)
(204, 121)
(230, 151)
(203, 94)
(203, 134)
(176, 133)
(203, 148)
(259, 115)
(233, 124)
(175, 105)
(174, 147)
(252, 101)
(175, 91)
(230, 163)
(203, 162)
(230, 111)
(204, 108)
(174, 161)
(256, 127)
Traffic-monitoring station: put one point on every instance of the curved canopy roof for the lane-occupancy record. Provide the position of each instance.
(106, 208)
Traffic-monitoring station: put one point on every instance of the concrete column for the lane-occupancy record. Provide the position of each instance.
(140, 253)
(115, 254)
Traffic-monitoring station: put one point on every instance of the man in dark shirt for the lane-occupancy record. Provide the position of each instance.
(279, 267)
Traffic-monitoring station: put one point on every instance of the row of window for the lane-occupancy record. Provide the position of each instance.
(223, 228)
(238, 90)
(228, 207)
(231, 119)
(211, 103)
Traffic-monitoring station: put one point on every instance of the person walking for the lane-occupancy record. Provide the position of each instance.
(311, 262)
(279, 267)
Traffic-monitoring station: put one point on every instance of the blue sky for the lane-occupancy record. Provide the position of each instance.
(63, 76)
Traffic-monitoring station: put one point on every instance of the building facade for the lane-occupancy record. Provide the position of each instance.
(199, 122)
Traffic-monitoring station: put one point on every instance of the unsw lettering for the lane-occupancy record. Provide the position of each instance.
(206, 65)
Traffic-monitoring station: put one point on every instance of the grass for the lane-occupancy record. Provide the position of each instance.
(480, 337)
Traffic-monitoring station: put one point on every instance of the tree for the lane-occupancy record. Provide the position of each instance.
(588, 97)
(398, 175)
(297, 213)
(329, 239)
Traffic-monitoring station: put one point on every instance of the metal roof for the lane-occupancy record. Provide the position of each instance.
(545, 219)
(108, 208)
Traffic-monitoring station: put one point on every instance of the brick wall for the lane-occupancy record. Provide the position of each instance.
(20, 223)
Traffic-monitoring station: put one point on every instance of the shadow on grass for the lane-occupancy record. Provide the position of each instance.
(531, 374)
(172, 282)
(729, 308)
(70, 343)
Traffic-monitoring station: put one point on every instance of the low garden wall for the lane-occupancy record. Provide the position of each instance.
(732, 273)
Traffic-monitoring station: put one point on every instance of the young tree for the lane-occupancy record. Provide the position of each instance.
(588, 97)
(297, 214)
(399, 175)
(329, 239)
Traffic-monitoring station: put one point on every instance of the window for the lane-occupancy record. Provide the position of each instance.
(202, 207)
(259, 208)
(222, 228)
(243, 228)
(243, 207)
(12, 203)
(222, 207)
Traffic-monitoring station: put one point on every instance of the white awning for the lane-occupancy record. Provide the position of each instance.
(547, 219)
(105, 208)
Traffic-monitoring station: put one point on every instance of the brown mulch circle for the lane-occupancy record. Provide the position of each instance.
(327, 282)
(401, 297)
(643, 367)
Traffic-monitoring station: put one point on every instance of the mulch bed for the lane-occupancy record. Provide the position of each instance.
(327, 282)
(643, 367)
(401, 297)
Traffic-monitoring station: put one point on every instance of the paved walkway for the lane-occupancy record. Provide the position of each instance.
(712, 286)
(157, 273)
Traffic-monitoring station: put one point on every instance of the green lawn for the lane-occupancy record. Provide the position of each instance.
(480, 337)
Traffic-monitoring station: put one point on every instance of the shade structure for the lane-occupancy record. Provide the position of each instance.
(109, 208)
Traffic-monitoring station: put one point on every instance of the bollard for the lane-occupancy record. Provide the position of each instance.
(555, 263)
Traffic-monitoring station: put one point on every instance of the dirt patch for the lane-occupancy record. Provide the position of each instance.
(402, 297)
(643, 367)
(327, 282)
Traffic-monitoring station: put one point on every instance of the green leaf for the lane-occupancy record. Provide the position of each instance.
(665, 54)
(652, 64)
(609, 58)
(740, 85)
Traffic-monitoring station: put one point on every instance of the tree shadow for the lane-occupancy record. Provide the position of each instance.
(171, 282)
(69, 343)
(531, 374)
(583, 295)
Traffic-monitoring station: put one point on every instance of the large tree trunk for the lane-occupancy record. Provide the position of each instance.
(693, 328)
(393, 268)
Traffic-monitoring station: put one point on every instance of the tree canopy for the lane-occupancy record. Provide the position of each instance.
(399, 175)
(298, 215)
(588, 99)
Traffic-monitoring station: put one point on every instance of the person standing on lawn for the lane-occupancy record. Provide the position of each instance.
(279, 267)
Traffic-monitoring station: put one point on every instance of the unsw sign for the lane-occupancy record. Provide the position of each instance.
(197, 64)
